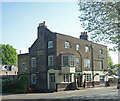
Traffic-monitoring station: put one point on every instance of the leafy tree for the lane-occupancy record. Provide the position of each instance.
(9, 55)
(101, 20)
(110, 61)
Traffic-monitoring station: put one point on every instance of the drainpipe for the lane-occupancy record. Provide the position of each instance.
(92, 65)
(81, 59)
(81, 63)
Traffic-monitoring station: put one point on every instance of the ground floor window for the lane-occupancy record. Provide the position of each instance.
(33, 78)
(67, 77)
(102, 79)
(88, 77)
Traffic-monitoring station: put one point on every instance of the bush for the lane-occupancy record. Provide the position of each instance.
(16, 86)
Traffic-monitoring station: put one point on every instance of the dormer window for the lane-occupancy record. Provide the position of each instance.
(86, 48)
(101, 51)
(50, 44)
(67, 45)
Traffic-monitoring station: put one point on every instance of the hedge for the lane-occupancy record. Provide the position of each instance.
(16, 86)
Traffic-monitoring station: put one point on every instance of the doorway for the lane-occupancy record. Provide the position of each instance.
(52, 81)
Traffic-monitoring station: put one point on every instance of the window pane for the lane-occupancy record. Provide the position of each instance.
(87, 63)
(71, 60)
(67, 45)
(65, 61)
(33, 62)
(33, 78)
(50, 60)
(23, 67)
(77, 47)
(101, 64)
(50, 44)
(77, 62)
(86, 48)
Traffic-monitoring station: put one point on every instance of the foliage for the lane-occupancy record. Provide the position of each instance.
(16, 86)
(9, 55)
(110, 61)
(101, 19)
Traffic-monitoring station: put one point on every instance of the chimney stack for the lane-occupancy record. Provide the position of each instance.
(84, 36)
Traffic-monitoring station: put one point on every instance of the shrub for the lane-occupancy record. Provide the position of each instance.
(16, 86)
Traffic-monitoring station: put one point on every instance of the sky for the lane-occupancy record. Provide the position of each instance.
(21, 19)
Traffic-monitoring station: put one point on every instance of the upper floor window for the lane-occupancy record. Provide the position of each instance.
(86, 48)
(87, 63)
(101, 51)
(23, 67)
(77, 62)
(65, 60)
(50, 44)
(67, 45)
(68, 60)
(33, 61)
(33, 78)
(101, 64)
(77, 46)
(50, 60)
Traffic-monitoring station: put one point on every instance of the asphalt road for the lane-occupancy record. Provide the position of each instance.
(88, 93)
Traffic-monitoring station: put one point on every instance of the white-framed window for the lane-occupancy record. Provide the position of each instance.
(24, 67)
(101, 51)
(33, 61)
(65, 60)
(33, 78)
(50, 60)
(77, 62)
(72, 60)
(88, 77)
(102, 79)
(87, 63)
(77, 47)
(67, 77)
(101, 64)
(67, 45)
(86, 48)
(50, 44)
(68, 60)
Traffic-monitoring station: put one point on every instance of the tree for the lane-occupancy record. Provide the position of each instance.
(102, 21)
(110, 61)
(9, 55)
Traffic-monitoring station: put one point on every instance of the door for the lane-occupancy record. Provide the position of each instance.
(102, 79)
(52, 81)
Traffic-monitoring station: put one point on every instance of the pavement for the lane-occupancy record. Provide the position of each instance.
(87, 93)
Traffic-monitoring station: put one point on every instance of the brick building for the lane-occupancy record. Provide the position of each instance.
(59, 62)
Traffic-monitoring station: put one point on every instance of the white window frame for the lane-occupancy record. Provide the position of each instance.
(77, 62)
(86, 63)
(88, 77)
(33, 59)
(67, 44)
(50, 44)
(77, 47)
(67, 78)
(50, 58)
(71, 60)
(24, 68)
(65, 60)
(101, 64)
(86, 49)
(32, 81)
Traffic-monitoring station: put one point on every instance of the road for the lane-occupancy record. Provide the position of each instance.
(88, 93)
